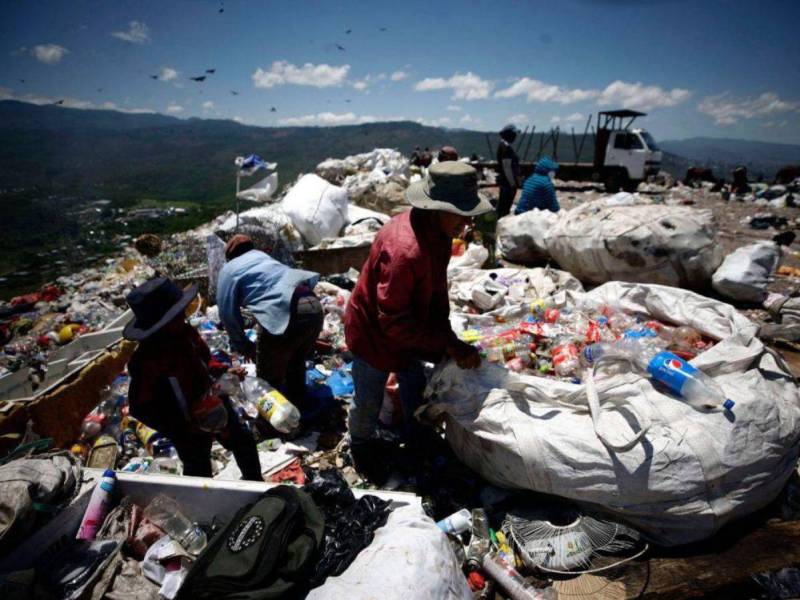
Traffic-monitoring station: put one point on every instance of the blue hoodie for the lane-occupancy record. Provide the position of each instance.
(538, 191)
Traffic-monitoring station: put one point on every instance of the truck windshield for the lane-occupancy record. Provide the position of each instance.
(649, 141)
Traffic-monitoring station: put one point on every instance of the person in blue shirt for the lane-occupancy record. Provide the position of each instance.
(282, 300)
(538, 190)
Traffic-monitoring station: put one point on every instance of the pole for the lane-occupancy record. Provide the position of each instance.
(583, 139)
(519, 143)
(238, 179)
(489, 145)
(556, 136)
(574, 144)
(530, 139)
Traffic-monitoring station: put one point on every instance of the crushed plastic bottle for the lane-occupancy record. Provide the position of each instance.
(565, 356)
(692, 385)
(271, 404)
(499, 569)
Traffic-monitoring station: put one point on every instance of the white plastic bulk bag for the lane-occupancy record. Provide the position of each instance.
(317, 208)
(409, 557)
(746, 272)
(521, 238)
(640, 455)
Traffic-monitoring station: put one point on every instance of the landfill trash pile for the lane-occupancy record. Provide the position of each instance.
(376, 180)
(607, 438)
(610, 239)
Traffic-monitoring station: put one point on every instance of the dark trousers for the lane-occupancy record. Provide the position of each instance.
(194, 449)
(505, 201)
(281, 359)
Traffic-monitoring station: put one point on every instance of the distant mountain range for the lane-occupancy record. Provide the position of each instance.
(55, 161)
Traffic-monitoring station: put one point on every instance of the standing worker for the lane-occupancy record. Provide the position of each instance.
(171, 388)
(283, 302)
(508, 167)
(398, 314)
(538, 190)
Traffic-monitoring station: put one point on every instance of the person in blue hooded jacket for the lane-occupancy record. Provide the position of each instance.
(538, 190)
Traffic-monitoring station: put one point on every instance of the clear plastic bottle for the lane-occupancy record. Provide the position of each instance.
(688, 382)
(166, 513)
(480, 542)
(97, 509)
(565, 356)
(271, 404)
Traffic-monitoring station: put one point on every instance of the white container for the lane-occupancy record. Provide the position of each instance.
(457, 523)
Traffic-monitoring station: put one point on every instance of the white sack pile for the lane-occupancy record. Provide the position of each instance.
(317, 208)
(646, 243)
(746, 272)
(638, 454)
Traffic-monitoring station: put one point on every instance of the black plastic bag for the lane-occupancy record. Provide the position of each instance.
(350, 524)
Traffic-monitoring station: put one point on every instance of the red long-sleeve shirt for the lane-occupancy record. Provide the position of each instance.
(400, 308)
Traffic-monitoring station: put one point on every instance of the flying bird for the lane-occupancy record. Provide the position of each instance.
(153, 76)
(99, 90)
(383, 29)
(339, 47)
(348, 100)
(221, 9)
(211, 71)
(273, 109)
(348, 31)
(21, 80)
(234, 93)
(198, 79)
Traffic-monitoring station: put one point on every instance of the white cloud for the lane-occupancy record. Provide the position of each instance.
(539, 91)
(282, 72)
(68, 102)
(573, 118)
(327, 119)
(208, 105)
(519, 119)
(138, 33)
(465, 87)
(174, 109)
(727, 110)
(238, 119)
(49, 54)
(437, 122)
(453, 107)
(168, 74)
(636, 95)
(361, 85)
(398, 76)
(469, 120)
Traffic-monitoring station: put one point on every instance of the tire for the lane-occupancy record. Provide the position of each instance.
(612, 182)
(630, 185)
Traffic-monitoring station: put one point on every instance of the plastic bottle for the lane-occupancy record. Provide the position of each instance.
(565, 356)
(166, 513)
(688, 382)
(457, 523)
(480, 543)
(99, 504)
(512, 582)
(271, 404)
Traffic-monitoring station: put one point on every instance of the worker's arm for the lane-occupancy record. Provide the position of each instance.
(231, 316)
(508, 172)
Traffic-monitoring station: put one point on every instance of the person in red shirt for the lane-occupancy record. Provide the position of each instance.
(398, 314)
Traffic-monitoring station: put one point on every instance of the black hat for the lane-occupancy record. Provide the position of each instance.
(154, 304)
(509, 133)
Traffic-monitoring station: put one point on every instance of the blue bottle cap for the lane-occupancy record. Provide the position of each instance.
(109, 473)
(728, 404)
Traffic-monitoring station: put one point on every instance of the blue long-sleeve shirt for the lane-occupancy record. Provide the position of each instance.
(538, 190)
(264, 286)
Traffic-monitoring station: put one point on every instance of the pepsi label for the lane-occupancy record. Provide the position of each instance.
(671, 370)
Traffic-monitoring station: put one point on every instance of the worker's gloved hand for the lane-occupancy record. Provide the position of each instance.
(466, 356)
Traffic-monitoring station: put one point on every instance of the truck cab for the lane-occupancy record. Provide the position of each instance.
(624, 157)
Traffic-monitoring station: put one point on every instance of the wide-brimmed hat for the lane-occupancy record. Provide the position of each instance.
(154, 304)
(449, 186)
(238, 245)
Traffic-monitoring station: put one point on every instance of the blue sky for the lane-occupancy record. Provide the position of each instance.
(703, 67)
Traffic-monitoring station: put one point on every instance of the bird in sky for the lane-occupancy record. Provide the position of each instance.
(221, 9)
(348, 31)
(234, 93)
(22, 81)
(211, 71)
(153, 76)
(273, 109)
(198, 79)
(339, 47)
(99, 90)
(348, 100)
(382, 29)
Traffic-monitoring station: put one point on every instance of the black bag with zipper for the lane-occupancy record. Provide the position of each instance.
(268, 550)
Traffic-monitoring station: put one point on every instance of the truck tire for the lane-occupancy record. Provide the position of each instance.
(630, 185)
(612, 182)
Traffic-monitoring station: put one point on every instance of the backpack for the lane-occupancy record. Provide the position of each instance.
(266, 551)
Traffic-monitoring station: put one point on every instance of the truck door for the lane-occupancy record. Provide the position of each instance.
(626, 150)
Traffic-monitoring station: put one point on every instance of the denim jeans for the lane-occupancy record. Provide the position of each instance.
(369, 383)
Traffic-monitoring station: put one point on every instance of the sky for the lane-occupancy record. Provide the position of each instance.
(697, 67)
